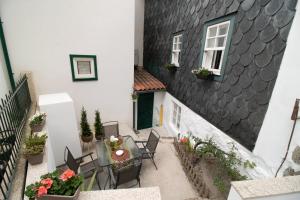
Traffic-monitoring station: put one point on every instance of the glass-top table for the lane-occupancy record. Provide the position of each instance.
(104, 152)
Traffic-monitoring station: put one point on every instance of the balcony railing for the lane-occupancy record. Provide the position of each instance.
(13, 115)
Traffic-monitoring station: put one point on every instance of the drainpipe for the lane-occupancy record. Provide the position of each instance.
(6, 58)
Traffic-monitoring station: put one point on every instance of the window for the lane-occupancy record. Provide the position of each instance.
(176, 115)
(214, 48)
(176, 49)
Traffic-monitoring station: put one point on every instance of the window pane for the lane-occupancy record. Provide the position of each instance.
(221, 42)
(207, 59)
(212, 32)
(223, 29)
(217, 59)
(210, 43)
(179, 46)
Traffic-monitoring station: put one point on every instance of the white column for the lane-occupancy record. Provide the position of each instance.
(61, 126)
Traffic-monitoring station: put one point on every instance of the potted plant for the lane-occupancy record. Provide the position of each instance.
(171, 67)
(86, 133)
(203, 73)
(34, 148)
(99, 133)
(37, 121)
(55, 186)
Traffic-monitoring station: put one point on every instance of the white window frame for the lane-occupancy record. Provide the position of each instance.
(215, 48)
(176, 116)
(176, 49)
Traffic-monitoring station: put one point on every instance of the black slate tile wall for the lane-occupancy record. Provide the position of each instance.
(236, 105)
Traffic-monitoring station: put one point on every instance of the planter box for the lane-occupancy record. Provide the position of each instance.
(60, 197)
(208, 77)
(39, 127)
(35, 159)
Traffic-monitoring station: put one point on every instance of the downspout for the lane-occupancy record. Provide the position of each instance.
(6, 58)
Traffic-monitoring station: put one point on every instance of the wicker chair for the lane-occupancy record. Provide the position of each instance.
(149, 147)
(129, 172)
(86, 169)
(111, 128)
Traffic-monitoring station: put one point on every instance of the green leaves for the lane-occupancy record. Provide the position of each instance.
(34, 144)
(98, 125)
(85, 127)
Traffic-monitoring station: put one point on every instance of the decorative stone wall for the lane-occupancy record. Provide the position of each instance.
(237, 104)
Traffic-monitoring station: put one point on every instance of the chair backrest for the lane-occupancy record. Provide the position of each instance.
(111, 128)
(153, 140)
(71, 161)
(129, 172)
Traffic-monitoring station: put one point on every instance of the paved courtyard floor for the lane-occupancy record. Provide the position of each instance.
(170, 177)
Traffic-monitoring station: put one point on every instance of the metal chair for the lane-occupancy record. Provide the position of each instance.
(86, 169)
(111, 128)
(129, 172)
(149, 146)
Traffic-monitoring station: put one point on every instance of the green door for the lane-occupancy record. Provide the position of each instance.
(145, 110)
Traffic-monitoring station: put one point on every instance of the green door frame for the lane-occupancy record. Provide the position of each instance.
(6, 58)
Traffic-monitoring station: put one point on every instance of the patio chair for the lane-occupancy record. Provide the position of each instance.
(86, 169)
(149, 146)
(129, 172)
(111, 128)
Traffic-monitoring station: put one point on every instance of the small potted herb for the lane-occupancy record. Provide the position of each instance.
(34, 148)
(37, 121)
(86, 133)
(99, 132)
(171, 67)
(203, 73)
(55, 186)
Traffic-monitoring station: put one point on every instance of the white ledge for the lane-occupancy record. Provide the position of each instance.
(267, 187)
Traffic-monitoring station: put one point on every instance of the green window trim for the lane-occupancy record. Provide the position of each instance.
(6, 58)
(230, 18)
(72, 56)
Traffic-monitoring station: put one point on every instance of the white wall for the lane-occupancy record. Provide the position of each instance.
(139, 29)
(198, 126)
(4, 79)
(41, 34)
(277, 126)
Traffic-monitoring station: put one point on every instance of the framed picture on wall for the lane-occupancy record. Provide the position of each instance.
(84, 67)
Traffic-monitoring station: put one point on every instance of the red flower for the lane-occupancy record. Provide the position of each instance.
(47, 182)
(42, 191)
(184, 140)
(67, 175)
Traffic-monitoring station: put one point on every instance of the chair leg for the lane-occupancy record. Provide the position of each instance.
(154, 162)
(97, 179)
(139, 182)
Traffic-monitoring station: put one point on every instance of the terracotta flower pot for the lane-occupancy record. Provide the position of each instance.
(35, 159)
(60, 197)
(38, 127)
(87, 138)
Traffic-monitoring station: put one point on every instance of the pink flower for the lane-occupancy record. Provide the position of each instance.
(42, 191)
(47, 182)
(67, 175)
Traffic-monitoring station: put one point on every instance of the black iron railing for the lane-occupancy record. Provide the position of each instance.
(13, 115)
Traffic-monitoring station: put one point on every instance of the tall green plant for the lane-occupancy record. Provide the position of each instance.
(85, 127)
(98, 125)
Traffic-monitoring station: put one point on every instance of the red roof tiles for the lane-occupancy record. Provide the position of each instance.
(144, 81)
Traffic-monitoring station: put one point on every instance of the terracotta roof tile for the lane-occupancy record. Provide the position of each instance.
(144, 81)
